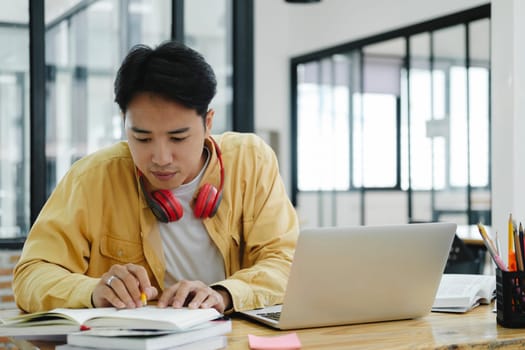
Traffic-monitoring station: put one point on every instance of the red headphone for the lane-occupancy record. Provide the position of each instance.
(167, 207)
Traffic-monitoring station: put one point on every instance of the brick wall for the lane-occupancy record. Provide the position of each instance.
(8, 259)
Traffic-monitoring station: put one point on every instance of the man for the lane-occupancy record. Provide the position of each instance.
(173, 213)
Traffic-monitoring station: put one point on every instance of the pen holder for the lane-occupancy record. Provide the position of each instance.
(510, 298)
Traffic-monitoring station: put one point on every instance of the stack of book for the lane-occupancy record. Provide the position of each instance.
(147, 328)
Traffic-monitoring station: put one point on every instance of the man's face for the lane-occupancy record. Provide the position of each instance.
(166, 140)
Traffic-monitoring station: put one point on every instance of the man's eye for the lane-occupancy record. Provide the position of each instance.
(178, 139)
(143, 140)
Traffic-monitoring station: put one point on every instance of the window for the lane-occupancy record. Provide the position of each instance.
(84, 47)
(14, 118)
(323, 129)
(85, 42)
(375, 140)
(208, 30)
(404, 112)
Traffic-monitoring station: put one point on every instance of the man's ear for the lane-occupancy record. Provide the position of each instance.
(208, 121)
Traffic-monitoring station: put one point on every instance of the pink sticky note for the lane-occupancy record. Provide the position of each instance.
(281, 342)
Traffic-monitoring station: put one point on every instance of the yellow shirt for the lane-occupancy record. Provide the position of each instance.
(97, 217)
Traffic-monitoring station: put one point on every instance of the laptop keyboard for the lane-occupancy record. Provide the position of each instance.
(271, 315)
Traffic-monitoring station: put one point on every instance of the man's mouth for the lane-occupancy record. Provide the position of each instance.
(163, 176)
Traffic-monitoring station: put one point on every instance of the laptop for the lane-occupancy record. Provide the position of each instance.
(361, 274)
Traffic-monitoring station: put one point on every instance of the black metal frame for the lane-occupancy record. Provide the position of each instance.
(37, 108)
(243, 99)
(177, 20)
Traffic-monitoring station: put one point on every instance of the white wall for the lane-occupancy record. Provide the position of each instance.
(508, 114)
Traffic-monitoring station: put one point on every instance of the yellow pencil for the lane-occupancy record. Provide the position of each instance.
(144, 299)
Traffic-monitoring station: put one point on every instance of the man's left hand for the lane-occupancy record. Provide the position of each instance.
(195, 294)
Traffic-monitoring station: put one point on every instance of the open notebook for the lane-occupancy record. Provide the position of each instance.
(345, 275)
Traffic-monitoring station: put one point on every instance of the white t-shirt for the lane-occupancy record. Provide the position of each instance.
(189, 252)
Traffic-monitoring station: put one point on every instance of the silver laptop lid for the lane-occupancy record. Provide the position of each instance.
(363, 274)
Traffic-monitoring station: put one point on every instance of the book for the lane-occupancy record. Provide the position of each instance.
(210, 343)
(64, 321)
(463, 292)
(140, 340)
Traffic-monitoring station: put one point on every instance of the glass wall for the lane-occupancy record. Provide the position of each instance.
(323, 85)
(376, 152)
(85, 42)
(208, 29)
(84, 47)
(14, 118)
(405, 114)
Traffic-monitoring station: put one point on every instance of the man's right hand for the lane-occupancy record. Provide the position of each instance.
(122, 286)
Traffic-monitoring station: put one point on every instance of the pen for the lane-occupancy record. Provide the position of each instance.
(144, 299)
(490, 247)
(511, 254)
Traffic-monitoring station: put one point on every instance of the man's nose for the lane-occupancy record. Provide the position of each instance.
(162, 154)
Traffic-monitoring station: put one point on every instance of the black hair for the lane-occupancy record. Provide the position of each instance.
(171, 70)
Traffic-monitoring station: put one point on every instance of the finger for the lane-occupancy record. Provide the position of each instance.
(175, 295)
(167, 295)
(213, 300)
(117, 270)
(200, 296)
(191, 294)
(140, 274)
(144, 285)
(113, 299)
(104, 296)
(131, 292)
(130, 288)
(182, 293)
(151, 293)
(120, 288)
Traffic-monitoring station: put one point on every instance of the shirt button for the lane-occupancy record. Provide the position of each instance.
(120, 253)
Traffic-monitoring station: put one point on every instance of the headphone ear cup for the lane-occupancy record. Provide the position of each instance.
(157, 206)
(207, 201)
(165, 206)
(218, 200)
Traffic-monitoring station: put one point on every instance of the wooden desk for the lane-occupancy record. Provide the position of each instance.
(476, 329)
(473, 330)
